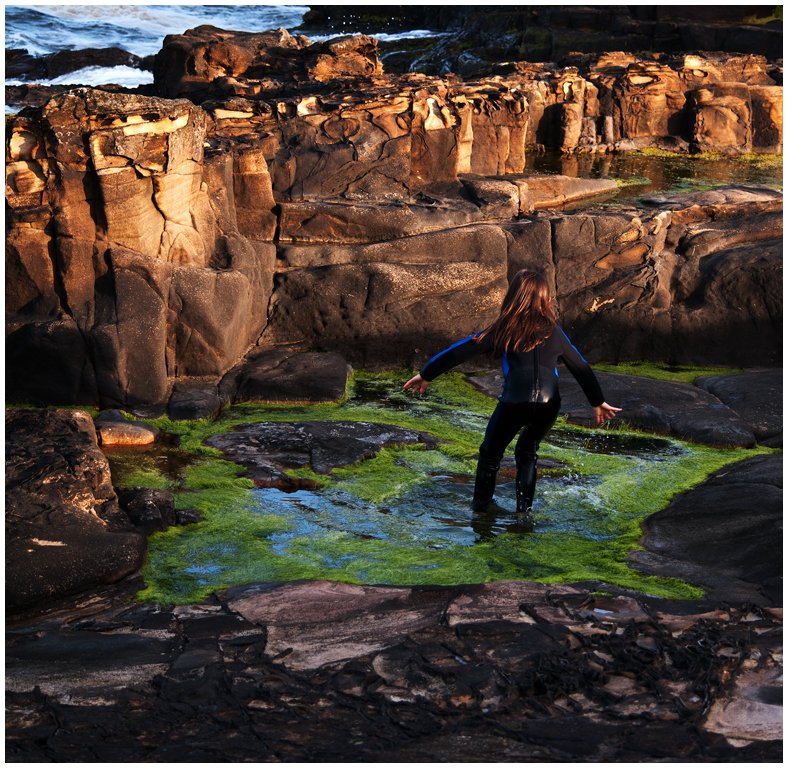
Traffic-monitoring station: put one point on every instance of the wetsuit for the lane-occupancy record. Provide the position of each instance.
(529, 400)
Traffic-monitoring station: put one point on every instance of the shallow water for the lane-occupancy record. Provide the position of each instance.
(648, 175)
(404, 517)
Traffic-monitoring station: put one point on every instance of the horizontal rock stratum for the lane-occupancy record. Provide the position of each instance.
(301, 199)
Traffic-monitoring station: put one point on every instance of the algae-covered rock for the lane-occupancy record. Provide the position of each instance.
(267, 449)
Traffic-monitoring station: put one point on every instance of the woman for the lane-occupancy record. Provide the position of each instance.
(528, 338)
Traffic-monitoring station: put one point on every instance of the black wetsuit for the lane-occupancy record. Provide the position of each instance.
(529, 397)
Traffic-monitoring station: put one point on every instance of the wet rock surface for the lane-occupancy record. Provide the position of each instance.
(65, 531)
(664, 407)
(503, 672)
(266, 449)
(725, 535)
(756, 397)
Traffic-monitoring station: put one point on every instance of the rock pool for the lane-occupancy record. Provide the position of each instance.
(402, 517)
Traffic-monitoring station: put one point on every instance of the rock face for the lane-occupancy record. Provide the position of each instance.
(64, 529)
(725, 534)
(152, 242)
(267, 449)
(124, 269)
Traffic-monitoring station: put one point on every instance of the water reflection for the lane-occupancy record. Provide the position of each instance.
(656, 174)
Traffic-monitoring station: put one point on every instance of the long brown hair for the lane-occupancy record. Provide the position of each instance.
(527, 315)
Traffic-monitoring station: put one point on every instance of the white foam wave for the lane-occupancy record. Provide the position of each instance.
(139, 29)
(128, 77)
(384, 37)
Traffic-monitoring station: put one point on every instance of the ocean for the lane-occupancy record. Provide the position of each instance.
(139, 29)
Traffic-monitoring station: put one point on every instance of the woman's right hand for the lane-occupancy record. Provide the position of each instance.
(418, 384)
(604, 412)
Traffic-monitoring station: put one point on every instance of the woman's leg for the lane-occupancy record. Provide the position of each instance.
(543, 416)
(504, 424)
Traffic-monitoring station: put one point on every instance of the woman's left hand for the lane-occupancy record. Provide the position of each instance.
(418, 384)
(604, 412)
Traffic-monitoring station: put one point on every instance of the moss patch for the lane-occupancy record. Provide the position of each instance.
(403, 517)
(663, 371)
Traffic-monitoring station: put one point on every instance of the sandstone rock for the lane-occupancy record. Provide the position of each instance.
(342, 222)
(267, 449)
(286, 376)
(396, 299)
(355, 608)
(767, 117)
(114, 429)
(560, 645)
(497, 198)
(724, 534)
(755, 396)
(64, 529)
(140, 257)
(181, 663)
(556, 191)
(207, 59)
(149, 508)
(722, 119)
(48, 362)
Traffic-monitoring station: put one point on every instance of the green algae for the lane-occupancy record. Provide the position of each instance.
(664, 371)
(403, 518)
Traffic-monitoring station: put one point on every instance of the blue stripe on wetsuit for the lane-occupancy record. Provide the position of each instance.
(448, 349)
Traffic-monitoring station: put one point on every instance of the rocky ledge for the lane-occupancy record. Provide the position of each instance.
(278, 195)
(321, 671)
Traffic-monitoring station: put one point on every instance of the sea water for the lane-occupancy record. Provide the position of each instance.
(140, 30)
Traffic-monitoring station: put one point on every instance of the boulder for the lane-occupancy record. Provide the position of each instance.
(209, 61)
(722, 119)
(267, 375)
(194, 398)
(64, 529)
(20, 64)
(664, 407)
(113, 428)
(725, 534)
(151, 509)
(266, 450)
(756, 396)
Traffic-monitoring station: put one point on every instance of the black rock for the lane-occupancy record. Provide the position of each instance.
(64, 529)
(194, 400)
(664, 407)
(285, 376)
(725, 535)
(266, 449)
(149, 508)
(756, 396)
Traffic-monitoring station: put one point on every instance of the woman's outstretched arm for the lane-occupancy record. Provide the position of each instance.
(581, 370)
(448, 358)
